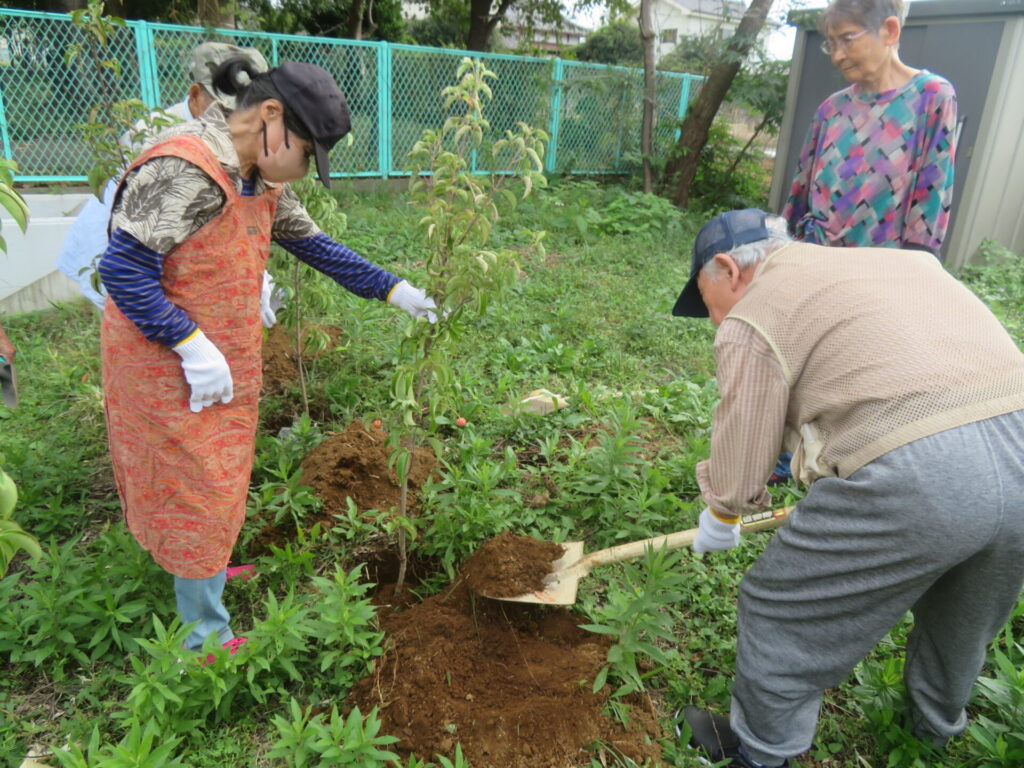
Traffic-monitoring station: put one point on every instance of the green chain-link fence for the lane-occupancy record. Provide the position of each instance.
(394, 91)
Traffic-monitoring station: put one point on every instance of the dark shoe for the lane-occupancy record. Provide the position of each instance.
(713, 734)
(914, 722)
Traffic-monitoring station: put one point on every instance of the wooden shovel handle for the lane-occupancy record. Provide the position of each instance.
(757, 522)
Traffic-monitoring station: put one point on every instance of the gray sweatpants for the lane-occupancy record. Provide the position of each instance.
(935, 527)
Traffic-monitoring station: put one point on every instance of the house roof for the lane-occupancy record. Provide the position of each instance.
(732, 10)
(514, 17)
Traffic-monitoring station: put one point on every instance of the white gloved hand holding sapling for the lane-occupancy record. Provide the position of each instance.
(413, 300)
(206, 372)
(714, 534)
(268, 302)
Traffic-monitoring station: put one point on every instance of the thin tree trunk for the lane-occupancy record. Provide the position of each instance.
(650, 94)
(209, 13)
(682, 168)
(746, 147)
(298, 339)
(403, 554)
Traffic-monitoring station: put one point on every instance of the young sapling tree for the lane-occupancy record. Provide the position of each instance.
(464, 276)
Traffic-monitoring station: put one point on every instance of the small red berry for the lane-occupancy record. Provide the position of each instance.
(377, 423)
(460, 422)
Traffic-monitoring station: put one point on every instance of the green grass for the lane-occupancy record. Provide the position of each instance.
(87, 635)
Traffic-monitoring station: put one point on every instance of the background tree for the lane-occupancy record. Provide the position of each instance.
(650, 94)
(482, 18)
(695, 54)
(353, 19)
(682, 166)
(445, 26)
(615, 43)
(761, 88)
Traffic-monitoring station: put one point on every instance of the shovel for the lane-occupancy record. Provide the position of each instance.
(573, 565)
(8, 383)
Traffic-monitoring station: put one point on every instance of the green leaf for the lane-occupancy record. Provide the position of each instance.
(15, 206)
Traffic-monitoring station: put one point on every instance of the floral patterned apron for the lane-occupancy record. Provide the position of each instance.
(183, 477)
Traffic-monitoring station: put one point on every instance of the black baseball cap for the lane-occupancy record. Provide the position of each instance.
(316, 100)
(720, 235)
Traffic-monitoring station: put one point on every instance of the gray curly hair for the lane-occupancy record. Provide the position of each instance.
(868, 14)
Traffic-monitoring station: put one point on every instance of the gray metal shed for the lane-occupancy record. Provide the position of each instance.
(978, 45)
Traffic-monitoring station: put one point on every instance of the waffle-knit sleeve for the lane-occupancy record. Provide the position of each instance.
(746, 433)
(928, 216)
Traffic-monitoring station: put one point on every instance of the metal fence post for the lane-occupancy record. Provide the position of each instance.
(3, 129)
(384, 106)
(557, 78)
(684, 102)
(145, 54)
(274, 56)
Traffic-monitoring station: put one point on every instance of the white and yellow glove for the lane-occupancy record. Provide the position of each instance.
(716, 533)
(413, 300)
(270, 301)
(206, 372)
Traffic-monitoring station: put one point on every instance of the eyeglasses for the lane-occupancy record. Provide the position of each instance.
(828, 46)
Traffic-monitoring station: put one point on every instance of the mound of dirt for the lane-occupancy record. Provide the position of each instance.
(510, 682)
(280, 365)
(354, 463)
(510, 565)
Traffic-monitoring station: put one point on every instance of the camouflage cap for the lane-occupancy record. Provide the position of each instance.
(208, 56)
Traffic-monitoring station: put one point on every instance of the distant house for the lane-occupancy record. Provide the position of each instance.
(516, 34)
(675, 19)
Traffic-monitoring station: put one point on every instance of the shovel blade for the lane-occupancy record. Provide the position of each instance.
(561, 588)
(8, 385)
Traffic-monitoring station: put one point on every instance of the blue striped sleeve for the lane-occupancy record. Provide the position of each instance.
(131, 273)
(346, 267)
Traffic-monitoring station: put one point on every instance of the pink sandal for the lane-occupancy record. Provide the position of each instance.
(245, 572)
(231, 646)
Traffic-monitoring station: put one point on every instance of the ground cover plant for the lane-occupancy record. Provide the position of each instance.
(90, 650)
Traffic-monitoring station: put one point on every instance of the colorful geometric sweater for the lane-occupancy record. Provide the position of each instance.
(877, 168)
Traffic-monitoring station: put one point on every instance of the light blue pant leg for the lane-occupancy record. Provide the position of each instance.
(200, 600)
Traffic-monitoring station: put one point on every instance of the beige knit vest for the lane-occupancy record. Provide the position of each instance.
(879, 347)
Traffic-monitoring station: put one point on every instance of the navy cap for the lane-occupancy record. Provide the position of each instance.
(311, 93)
(720, 235)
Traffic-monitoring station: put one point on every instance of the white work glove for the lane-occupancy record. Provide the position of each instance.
(206, 372)
(413, 300)
(270, 302)
(715, 535)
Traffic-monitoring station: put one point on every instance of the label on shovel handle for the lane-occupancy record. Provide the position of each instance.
(770, 518)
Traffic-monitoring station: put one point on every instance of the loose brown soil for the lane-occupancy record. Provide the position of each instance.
(511, 683)
(280, 365)
(510, 565)
(352, 463)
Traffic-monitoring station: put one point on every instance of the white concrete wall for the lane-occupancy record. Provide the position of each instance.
(29, 279)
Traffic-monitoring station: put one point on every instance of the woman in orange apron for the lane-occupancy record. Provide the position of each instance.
(190, 232)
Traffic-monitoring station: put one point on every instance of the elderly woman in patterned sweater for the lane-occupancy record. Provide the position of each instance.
(876, 169)
(190, 233)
